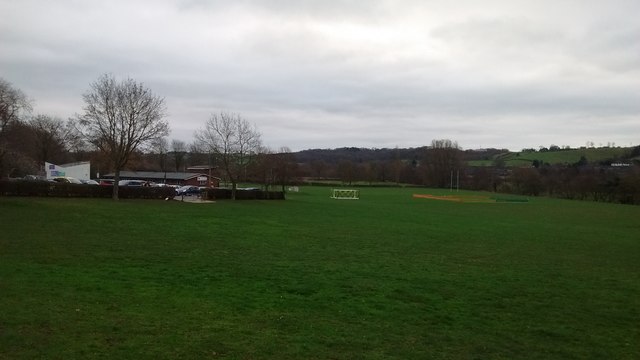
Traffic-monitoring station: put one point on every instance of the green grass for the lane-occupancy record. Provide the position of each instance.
(383, 277)
(592, 155)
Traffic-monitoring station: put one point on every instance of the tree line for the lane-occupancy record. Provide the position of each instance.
(122, 125)
(120, 122)
(444, 164)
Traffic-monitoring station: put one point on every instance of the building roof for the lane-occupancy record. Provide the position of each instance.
(158, 175)
(75, 164)
(201, 167)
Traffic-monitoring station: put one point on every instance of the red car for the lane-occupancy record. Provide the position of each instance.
(106, 182)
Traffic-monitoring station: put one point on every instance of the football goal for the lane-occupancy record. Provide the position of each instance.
(345, 194)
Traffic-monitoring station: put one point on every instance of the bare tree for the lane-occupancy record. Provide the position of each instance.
(285, 166)
(74, 140)
(274, 167)
(396, 165)
(320, 168)
(160, 147)
(120, 118)
(50, 138)
(234, 142)
(197, 154)
(262, 169)
(18, 150)
(179, 152)
(13, 104)
(347, 171)
(441, 159)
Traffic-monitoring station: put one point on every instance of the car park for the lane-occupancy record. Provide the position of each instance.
(66, 180)
(34, 178)
(133, 183)
(188, 190)
(106, 182)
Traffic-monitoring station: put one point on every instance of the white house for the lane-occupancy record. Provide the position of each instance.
(78, 170)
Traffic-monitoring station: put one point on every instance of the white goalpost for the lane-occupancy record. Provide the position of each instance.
(345, 194)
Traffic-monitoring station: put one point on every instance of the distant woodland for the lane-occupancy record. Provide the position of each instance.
(604, 173)
(597, 174)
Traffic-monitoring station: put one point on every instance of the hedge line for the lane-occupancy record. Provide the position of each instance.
(51, 189)
(218, 193)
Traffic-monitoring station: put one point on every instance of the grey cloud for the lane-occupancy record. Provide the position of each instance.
(384, 73)
(339, 9)
(614, 49)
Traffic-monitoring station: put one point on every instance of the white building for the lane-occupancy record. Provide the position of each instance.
(78, 170)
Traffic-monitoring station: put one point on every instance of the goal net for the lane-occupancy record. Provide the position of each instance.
(344, 194)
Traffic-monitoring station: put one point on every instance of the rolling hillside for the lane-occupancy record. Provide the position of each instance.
(572, 156)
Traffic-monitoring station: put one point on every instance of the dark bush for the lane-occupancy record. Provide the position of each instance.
(50, 189)
(219, 193)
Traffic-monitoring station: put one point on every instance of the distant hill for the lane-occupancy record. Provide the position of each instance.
(565, 156)
(358, 155)
(482, 157)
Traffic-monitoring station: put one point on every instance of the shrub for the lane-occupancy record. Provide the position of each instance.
(221, 193)
(51, 189)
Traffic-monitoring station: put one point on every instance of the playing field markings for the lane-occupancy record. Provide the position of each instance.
(469, 198)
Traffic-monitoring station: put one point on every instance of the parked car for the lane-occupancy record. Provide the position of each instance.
(106, 182)
(66, 180)
(132, 183)
(34, 178)
(188, 190)
(90, 182)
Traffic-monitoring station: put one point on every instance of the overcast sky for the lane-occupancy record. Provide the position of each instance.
(325, 74)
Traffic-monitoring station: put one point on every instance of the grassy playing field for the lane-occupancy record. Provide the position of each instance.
(387, 276)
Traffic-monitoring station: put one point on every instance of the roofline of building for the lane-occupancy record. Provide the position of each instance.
(71, 164)
(160, 175)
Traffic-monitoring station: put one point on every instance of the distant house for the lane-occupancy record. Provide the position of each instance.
(78, 170)
(169, 178)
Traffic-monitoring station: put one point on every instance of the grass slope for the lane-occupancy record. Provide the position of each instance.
(593, 155)
(384, 277)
